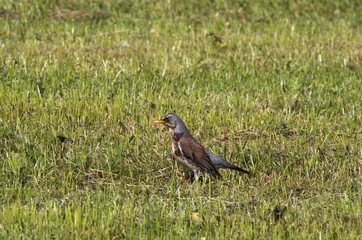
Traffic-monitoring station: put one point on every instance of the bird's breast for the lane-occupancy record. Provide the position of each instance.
(174, 145)
(175, 149)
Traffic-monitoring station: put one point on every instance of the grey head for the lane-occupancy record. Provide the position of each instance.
(173, 122)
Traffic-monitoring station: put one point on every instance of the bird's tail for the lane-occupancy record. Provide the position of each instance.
(238, 169)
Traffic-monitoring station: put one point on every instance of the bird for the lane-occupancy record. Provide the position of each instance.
(191, 153)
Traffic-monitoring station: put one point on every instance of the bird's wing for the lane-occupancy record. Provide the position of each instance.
(195, 152)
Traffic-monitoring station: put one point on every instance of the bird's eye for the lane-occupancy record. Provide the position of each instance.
(165, 119)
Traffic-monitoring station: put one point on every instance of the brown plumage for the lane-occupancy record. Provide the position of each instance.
(193, 151)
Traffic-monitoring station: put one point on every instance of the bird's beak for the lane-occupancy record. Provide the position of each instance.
(159, 121)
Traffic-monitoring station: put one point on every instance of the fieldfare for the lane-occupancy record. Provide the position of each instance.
(190, 153)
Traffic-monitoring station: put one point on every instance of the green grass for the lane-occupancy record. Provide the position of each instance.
(80, 157)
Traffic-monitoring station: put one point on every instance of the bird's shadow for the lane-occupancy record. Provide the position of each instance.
(190, 177)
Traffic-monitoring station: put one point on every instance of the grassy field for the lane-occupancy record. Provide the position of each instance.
(273, 86)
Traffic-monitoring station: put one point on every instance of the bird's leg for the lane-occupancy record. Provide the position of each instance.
(196, 174)
(189, 176)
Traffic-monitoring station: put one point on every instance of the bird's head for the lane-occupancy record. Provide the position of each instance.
(173, 122)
